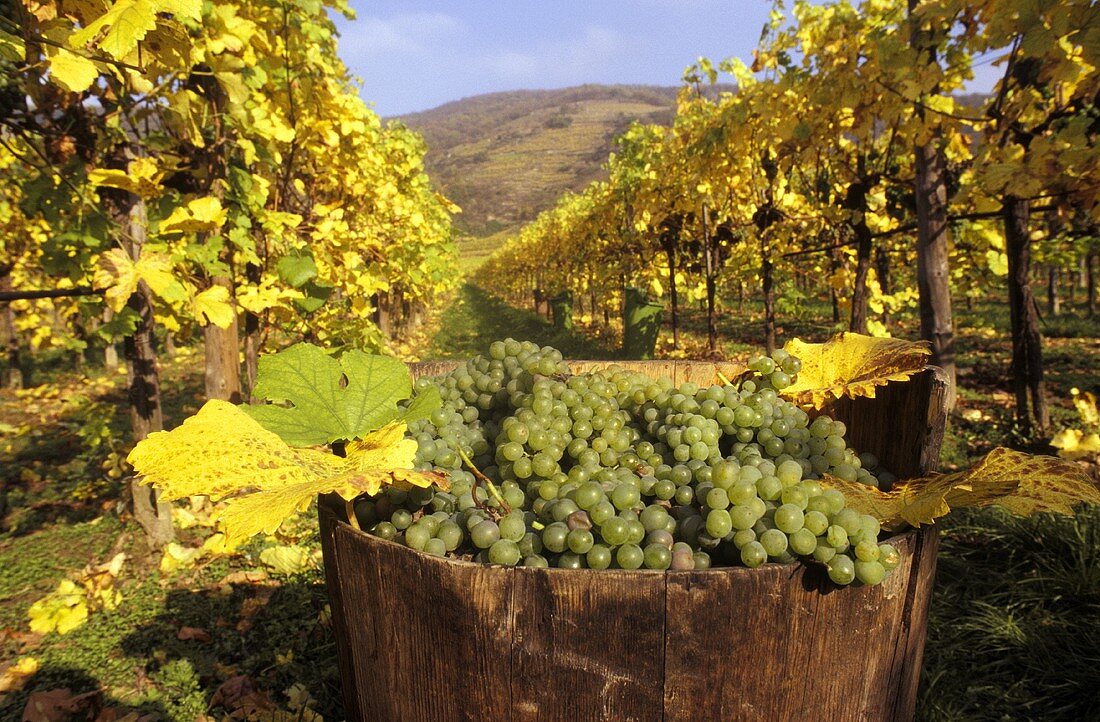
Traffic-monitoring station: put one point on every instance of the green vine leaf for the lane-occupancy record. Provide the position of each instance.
(329, 400)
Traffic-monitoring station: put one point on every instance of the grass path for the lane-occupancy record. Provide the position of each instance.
(474, 319)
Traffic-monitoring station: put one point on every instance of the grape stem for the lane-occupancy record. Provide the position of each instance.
(488, 482)
(349, 507)
(722, 378)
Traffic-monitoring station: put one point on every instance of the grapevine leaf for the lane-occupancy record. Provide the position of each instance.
(422, 405)
(296, 270)
(126, 23)
(120, 275)
(1085, 403)
(330, 400)
(1021, 483)
(213, 306)
(142, 177)
(222, 453)
(15, 677)
(852, 365)
(201, 214)
(75, 72)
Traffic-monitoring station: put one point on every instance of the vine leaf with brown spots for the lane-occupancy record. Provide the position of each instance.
(850, 364)
(1021, 483)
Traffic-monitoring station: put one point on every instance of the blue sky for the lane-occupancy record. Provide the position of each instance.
(417, 55)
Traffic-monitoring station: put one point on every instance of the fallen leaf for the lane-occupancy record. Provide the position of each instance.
(15, 676)
(59, 705)
(287, 560)
(197, 634)
(251, 576)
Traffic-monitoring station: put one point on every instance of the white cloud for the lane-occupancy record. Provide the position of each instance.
(563, 60)
(411, 33)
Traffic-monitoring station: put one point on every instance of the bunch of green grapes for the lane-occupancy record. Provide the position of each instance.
(616, 470)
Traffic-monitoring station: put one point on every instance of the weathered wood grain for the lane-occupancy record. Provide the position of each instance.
(424, 638)
(586, 646)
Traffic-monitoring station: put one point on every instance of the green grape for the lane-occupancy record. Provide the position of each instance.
(743, 516)
(743, 537)
(719, 523)
(416, 536)
(789, 518)
(816, 522)
(385, 530)
(554, 537)
(870, 572)
(401, 519)
(602, 512)
(774, 542)
(630, 556)
(598, 557)
(504, 551)
(867, 551)
(435, 547)
(803, 542)
(579, 541)
(654, 517)
(614, 531)
(842, 570)
(657, 556)
(888, 556)
(625, 496)
(837, 537)
(769, 488)
(617, 469)
(753, 554)
(824, 552)
(717, 498)
(485, 534)
(569, 560)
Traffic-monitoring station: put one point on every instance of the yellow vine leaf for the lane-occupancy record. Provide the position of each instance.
(222, 453)
(125, 24)
(120, 275)
(852, 365)
(287, 560)
(142, 177)
(75, 72)
(212, 306)
(201, 214)
(1021, 483)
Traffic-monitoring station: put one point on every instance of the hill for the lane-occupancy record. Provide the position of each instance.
(503, 157)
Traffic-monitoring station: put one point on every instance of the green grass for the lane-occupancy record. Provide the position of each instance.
(1014, 629)
(474, 319)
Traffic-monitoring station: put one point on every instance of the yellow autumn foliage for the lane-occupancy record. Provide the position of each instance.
(222, 453)
(1021, 483)
(851, 364)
